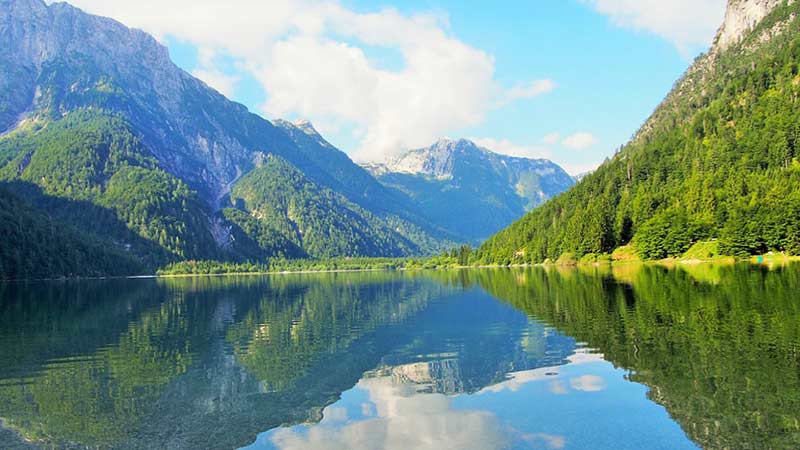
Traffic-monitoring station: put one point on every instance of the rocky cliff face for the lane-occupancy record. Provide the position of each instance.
(59, 65)
(57, 59)
(741, 17)
(446, 158)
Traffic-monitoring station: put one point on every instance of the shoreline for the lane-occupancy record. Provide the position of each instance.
(668, 262)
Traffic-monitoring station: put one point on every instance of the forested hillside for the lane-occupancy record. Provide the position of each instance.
(90, 170)
(30, 239)
(101, 131)
(719, 159)
(287, 212)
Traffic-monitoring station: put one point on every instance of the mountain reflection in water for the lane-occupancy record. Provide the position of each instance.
(643, 357)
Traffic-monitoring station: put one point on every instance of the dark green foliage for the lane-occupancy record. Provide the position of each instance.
(89, 169)
(271, 244)
(161, 208)
(33, 245)
(721, 357)
(667, 234)
(719, 158)
(293, 212)
(283, 265)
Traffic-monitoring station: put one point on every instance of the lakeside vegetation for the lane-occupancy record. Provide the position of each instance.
(460, 258)
(457, 257)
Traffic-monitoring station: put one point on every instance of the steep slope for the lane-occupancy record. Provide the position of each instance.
(96, 114)
(280, 201)
(89, 169)
(62, 60)
(718, 159)
(360, 187)
(469, 190)
(30, 239)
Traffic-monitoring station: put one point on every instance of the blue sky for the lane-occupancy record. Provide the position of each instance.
(569, 80)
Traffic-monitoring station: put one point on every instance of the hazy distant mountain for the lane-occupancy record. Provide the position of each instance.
(470, 190)
(581, 176)
(95, 116)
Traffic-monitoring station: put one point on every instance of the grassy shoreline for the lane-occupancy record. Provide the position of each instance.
(669, 262)
(362, 265)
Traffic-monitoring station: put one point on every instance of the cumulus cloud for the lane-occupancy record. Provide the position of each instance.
(309, 56)
(507, 147)
(405, 419)
(552, 138)
(580, 168)
(528, 90)
(225, 84)
(558, 388)
(579, 141)
(550, 441)
(517, 380)
(684, 23)
(588, 383)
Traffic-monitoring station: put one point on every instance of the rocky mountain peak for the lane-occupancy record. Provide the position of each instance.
(742, 16)
(302, 132)
(306, 127)
(436, 161)
(61, 30)
(443, 159)
(450, 145)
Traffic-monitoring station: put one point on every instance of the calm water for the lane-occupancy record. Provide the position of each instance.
(629, 358)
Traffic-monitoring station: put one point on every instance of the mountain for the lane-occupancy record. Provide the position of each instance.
(470, 190)
(717, 159)
(310, 219)
(37, 237)
(100, 130)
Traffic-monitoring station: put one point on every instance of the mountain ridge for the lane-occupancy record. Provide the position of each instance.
(77, 87)
(469, 189)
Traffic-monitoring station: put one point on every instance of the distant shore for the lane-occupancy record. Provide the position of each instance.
(419, 265)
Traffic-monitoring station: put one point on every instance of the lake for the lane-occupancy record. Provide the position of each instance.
(629, 357)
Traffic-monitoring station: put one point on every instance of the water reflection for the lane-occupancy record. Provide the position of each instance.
(585, 403)
(624, 357)
(719, 346)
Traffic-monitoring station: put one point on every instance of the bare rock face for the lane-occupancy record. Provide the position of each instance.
(56, 58)
(56, 61)
(741, 17)
(446, 159)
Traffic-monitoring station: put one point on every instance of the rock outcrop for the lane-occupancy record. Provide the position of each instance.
(742, 16)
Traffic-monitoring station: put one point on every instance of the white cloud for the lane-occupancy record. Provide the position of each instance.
(552, 138)
(575, 169)
(558, 388)
(579, 141)
(225, 84)
(550, 441)
(528, 90)
(684, 23)
(506, 147)
(588, 383)
(309, 57)
(404, 419)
